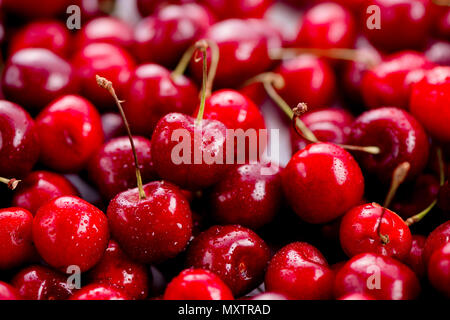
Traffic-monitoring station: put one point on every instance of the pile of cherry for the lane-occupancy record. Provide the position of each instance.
(361, 211)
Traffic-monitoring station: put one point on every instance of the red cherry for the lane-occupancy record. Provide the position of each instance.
(154, 228)
(153, 93)
(438, 52)
(234, 253)
(356, 296)
(436, 239)
(8, 292)
(399, 136)
(48, 34)
(39, 187)
(415, 258)
(429, 102)
(69, 231)
(146, 7)
(300, 272)
(359, 232)
(322, 182)
(19, 147)
(32, 9)
(441, 21)
(247, 195)
(70, 131)
(197, 284)
(439, 269)
(108, 61)
(325, 26)
(381, 277)
(99, 292)
(119, 271)
(238, 8)
(41, 283)
(16, 243)
(34, 77)
(113, 126)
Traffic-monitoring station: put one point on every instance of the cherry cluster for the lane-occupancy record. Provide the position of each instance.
(93, 207)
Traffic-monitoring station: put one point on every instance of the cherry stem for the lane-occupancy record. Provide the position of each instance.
(202, 46)
(11, 183)
(180, 69)
(106, 84)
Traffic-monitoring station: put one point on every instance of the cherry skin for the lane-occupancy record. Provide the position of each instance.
(69, 231)
(118, 270)
(300, 272)
(234, 253)
(270, 296)
(112, 167)
(106, 60)
(99, 292)
(70, 131)
(247, 195)
(242, 9)
(16, 243)
(34, 77)
(438, 52)
(395, 280)
(8, 292)
(49, 34)
(207, 139)
(325, 26)
(307, 79)
(41, 283)
(400, 137)
(356, 296)
(322, 182)
(19, 147)
(436, 239)
(153, 229)
(197, 284)
(415, 258)
(153, 93)
(439, 269)
(31, 9)
(433, 94)
(164, 36)
(113, 126)
(146, 7)
(359, 232)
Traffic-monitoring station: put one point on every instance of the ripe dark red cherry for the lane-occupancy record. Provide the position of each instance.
(153, 93)
(225, 9)
(16, 243)
(399, 136)
(429, 102)
(32, 9)
(8, 292)
(325, 26)
(41, 283)
(436, 239)
(197, 284)
(415, 258)
(19, 141)
(300, 272)
(439, 269)
(70, 131)
(154, 228)
(236, 254)
(39, 187)
(34, 77)
(99, 292)
(113, 126)
(359, 232)
(322, 182)
(249, 195)
(381, 277)
(106, 60)
(119, 271)
(69, 231)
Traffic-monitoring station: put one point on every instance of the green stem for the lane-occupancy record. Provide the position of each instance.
(203, 48)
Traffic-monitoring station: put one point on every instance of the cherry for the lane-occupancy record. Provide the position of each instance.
(300, 272)
(69, 231)
(325, 26)
(247, 195)
(399, 136)
(113, 126)
(108, 61)
(32, 9)
(429, 102)
(356, 296)
(16, 244)
(197, 284)
(70, 131)
(322, 182)
(439, 269)
(389, 83)
(163, 37)
(99, 292)
(234, 253)
(7, 292)
(41, 283)
(436, 239)
(404, 24)
(438, 52)
(146, 7)
(415, 258)
(49, 34)
(39, 187)
(381, 277)
(34, 77)
(242, 9)
(360, 229)
(119, 271)
(19, 147)
(441, 20)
